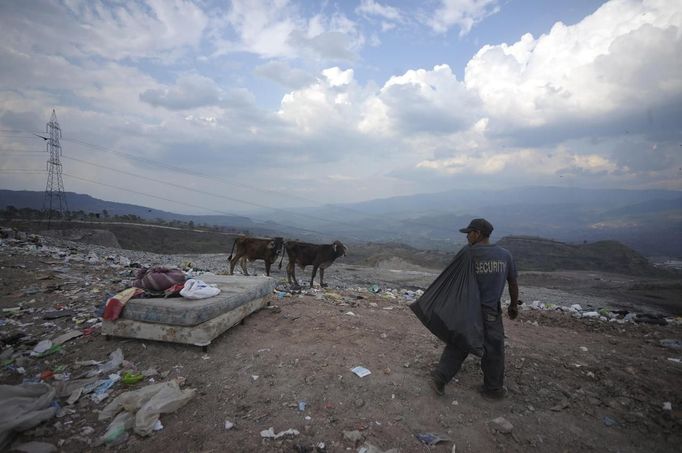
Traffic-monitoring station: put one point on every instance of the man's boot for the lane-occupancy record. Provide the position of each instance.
(437, 384)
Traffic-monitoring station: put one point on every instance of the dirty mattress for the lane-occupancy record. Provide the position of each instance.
(235, 291)
(197, 322)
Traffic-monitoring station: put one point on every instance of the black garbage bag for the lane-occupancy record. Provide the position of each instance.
(451, 307)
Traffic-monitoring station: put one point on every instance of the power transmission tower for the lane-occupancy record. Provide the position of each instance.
(54, 200)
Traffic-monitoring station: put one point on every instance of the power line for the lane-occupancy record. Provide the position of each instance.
(205, 176)
(178, 186)
(143, 193)
(175, 201)
(13, 151)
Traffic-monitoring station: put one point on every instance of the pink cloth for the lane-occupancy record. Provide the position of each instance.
(158, 278)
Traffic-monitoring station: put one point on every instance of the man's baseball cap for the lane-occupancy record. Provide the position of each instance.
(480, 225)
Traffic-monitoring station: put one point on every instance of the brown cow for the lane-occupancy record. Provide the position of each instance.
(265, 249)
(318, 255)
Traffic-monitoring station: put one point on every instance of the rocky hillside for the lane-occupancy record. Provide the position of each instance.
(539, 254)
(531, 253)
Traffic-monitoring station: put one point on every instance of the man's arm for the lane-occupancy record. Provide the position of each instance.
(513, 309)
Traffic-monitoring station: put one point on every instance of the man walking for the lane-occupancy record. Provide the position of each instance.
(494, 266)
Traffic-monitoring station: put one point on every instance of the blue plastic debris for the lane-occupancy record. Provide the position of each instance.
(431, 438)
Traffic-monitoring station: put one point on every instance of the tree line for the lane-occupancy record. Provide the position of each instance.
(10, 213)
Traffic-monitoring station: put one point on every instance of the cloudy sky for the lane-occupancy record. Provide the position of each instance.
(224, 106)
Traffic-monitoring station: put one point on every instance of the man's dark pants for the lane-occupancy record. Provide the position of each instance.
(492, 362)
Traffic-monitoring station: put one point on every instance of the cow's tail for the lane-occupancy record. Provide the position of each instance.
(284, 245)
(229, 258)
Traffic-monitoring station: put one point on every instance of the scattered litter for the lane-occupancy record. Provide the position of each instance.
(101, 390)
(608, 421)
(131, 378)
(431, 438)
(254, 377)
(41, 348)
(117, 432)
(24, 406)
(70, 335)
(583, 348)
(150, 372)
(148, 403)
(353, 436)
(115, 361)
(270, 433)
(502, 425)
(672, 344)
(228, 425)
(157, 426)
(350, 313)
(361, 371)
(369, 448)
(301, 405)
(58, 314)
(667, 406)
(197, 289)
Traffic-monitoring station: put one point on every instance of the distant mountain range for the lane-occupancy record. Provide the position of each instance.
(649, 221)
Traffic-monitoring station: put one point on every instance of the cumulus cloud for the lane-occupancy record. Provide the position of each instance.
(461, 13)
(277, 29)
(612, 63)
(190, 91)
(152, 29)
(371, 8)
(429, 101)
(561, 104)
(328, 102)
(282, 73)
(262, 27)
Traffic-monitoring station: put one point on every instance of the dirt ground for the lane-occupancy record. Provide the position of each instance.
(573, 384)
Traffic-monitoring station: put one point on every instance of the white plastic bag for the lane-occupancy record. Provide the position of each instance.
(196, 289)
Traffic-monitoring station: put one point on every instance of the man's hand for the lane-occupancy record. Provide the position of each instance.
(514, 301)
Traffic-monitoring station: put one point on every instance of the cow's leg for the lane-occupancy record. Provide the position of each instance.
(267, 267)
(312, 278)
(233, 263)
(243, 264)
(322, 284)
(291, 273)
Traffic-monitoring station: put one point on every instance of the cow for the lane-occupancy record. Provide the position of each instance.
(320, 256)
(265, 249)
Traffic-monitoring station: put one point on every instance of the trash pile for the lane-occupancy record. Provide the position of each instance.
(47, 322)
(38, 399)
(351, 295)
(603, 314)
